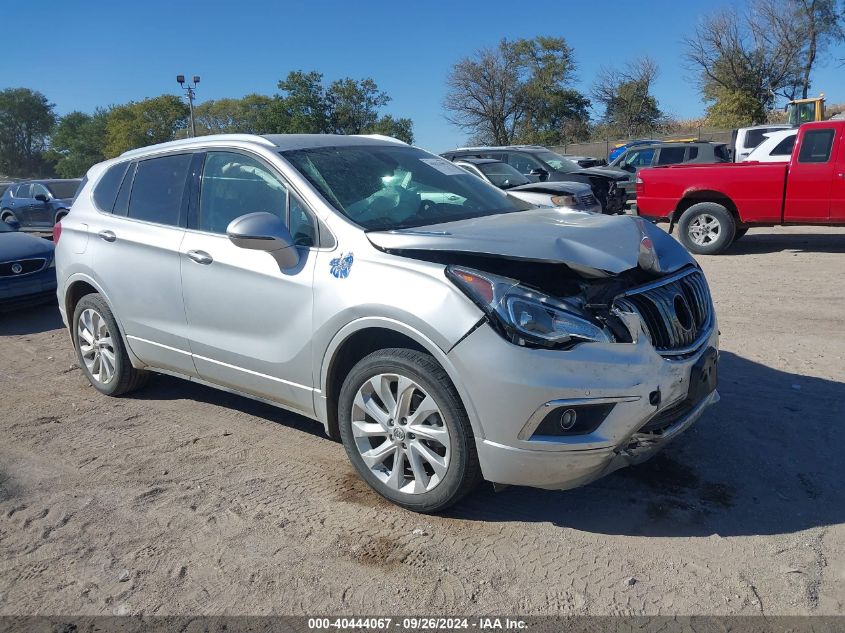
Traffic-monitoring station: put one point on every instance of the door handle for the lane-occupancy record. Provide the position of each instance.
(108, 236)
(200, 257)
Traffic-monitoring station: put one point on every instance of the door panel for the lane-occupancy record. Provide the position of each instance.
(250, 323)
(837, 188)
(139, 271)
(809, 182)
(40, 212)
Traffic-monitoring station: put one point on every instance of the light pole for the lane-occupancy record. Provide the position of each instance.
(191, 92)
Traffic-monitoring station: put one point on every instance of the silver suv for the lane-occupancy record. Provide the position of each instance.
(445, 331)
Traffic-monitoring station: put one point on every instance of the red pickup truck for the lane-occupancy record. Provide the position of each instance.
(714, 205)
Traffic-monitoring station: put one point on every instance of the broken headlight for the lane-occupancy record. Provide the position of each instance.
(526, 316)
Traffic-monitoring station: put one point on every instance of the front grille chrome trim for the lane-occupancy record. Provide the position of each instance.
(654, 304)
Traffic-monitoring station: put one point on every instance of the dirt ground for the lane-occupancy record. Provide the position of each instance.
(185, 500)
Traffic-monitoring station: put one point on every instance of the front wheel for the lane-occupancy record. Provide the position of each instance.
(706, 228)
(405, 430)
(99, 347)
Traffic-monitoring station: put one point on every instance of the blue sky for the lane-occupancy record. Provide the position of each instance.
(100, 53)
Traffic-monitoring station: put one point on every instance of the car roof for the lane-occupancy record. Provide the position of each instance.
(282, 142)
(498, 147)
(47, 181)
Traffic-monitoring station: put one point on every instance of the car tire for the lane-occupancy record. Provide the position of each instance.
(406, 432)
(100, 350)
(6, 215)
(706, 228)
(739, 233)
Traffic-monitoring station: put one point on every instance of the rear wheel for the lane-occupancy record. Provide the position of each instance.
(100, 350)
(7, 216)
(406, 432)
(706, 228)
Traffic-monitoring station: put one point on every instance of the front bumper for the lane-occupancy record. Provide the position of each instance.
(27, 290)
(505, 386)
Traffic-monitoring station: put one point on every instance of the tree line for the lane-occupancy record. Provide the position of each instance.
(35, 141)
(516, 91)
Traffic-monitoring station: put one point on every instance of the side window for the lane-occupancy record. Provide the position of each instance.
(38, 190)
(105, 192)
(523, 163)
(785, 147)
(301, 224)
(671, 155)
(234, 185)
(693, 153)
(23, 191)
(816, 146)
(158, 189)
(121, 205)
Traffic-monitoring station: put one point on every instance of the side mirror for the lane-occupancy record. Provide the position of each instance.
(264, 232)
(539, 172)
(41, 197)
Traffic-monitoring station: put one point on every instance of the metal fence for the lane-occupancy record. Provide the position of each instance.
(602, 148)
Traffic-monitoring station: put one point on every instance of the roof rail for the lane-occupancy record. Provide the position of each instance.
(200, 140)
(380, 137)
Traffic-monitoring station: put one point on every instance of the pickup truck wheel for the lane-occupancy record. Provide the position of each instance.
(405, 430)
(706, 228)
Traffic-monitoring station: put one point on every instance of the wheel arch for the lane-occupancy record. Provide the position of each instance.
(691, 198)
(80, 285)
(363, 337)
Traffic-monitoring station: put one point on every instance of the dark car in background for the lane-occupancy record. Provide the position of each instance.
(27, 269)
(616, 151)
(541, 164)
(37, 204)
(657, 154)
(571, 195)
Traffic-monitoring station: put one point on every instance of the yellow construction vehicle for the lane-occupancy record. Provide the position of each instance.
(800, 111)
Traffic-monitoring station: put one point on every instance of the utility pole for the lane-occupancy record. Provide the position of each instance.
(191, 92)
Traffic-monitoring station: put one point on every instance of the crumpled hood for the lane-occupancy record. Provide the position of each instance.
(592, 244)
(22, 246)
(608, 172)
(554, 187)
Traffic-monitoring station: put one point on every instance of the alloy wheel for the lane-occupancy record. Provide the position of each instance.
(96, 346)
(704, 229)
(400, 433)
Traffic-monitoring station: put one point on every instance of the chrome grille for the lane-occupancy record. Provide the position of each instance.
(22, 267)
(677, 312)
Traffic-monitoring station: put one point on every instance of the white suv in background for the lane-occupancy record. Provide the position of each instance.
(775, 148)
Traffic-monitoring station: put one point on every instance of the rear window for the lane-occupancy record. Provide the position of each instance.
(722, 153)
(158, 189)
(693, 153)
(22, 191)
(671, 155)
(754, 137)
(63, 190)
(816, 146)
(785, 147)
(106, 190)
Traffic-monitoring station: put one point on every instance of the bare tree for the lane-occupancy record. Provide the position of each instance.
(745, 60)
(484, 95)
(629, 107)
(819, 24)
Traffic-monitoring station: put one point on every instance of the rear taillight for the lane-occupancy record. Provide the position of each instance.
(57, 232)
(640, 186)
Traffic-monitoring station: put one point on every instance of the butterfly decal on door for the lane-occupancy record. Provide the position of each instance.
(340, 266)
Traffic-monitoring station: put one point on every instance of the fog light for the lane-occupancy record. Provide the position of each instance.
(567, 419)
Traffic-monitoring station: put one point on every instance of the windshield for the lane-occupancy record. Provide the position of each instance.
(557, 162)
(385, 187)
(63, 189)
(502, 175)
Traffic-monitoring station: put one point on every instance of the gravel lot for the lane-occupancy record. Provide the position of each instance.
(185, 500)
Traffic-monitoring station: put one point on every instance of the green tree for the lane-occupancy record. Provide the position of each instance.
(26, 120)
(403, 129)
(146, 122)
(78, 142)
(247, 115)
(518, 91)
(630, 109)
(352, 106)
(301, 106)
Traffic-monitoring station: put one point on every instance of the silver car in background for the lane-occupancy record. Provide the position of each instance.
(444, 331)
(575, 196)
